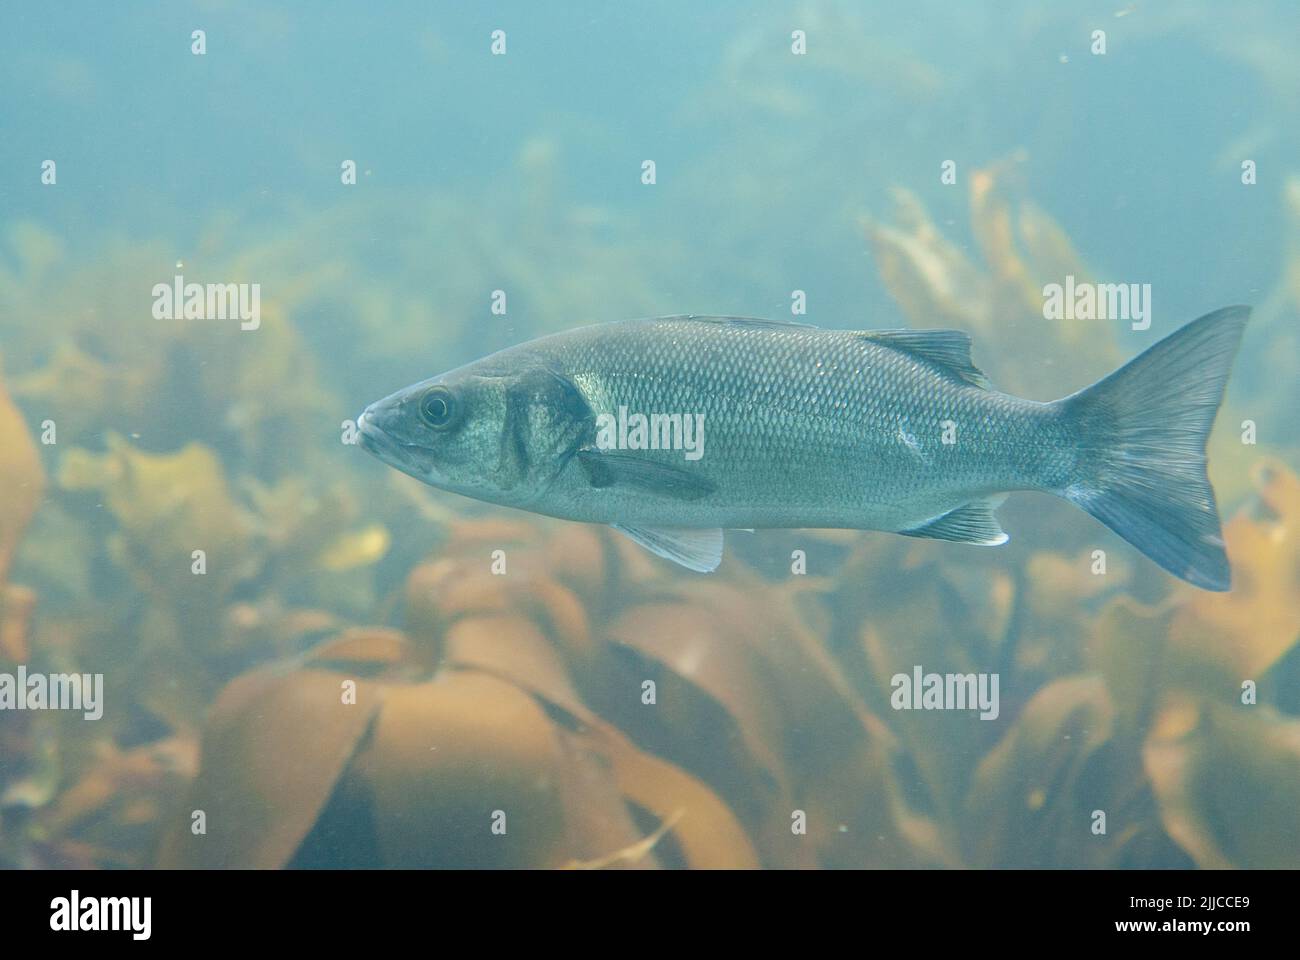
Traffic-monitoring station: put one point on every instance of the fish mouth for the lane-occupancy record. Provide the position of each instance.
(374, 439)
(384, 446)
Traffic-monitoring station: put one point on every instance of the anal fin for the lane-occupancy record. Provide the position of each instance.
(970, 523)
(698, 549)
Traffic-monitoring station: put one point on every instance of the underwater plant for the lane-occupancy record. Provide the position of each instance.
(351, 681)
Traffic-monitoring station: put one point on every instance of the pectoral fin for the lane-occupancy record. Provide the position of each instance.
(696, 549)
(605, 468)
(970, 523)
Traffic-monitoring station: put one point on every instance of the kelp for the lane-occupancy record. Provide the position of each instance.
(167, 506)
(999, 300)
(501, 699)
(523, 694)
(1224, 777)
(26, 755)
(433, 760)
(354, 680)
(22, 478)
(1243, 634)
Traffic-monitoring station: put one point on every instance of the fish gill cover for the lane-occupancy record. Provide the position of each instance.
(309, 659)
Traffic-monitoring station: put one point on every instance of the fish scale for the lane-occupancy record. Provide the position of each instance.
(804, 426)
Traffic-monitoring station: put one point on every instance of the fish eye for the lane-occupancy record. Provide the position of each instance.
(438, 408)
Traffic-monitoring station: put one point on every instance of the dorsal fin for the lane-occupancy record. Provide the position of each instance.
(946, 350)
(756, 322)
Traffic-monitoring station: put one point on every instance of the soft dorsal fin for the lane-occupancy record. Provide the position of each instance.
(947, 350)
(970, 523)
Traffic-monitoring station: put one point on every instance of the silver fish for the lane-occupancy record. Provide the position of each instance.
(755, 423)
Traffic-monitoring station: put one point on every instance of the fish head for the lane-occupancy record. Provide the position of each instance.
(494, 431)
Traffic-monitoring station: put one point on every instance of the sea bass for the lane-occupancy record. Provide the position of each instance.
(676, 428)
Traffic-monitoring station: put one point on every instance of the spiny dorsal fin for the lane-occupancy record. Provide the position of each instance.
(948, 350)
(970, 523)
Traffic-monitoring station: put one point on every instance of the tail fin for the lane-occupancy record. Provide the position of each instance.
(1143, 431)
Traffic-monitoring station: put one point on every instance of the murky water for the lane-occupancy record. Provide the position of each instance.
(228, 637)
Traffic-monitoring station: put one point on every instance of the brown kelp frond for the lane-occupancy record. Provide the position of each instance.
(310, 662)
(631, 853)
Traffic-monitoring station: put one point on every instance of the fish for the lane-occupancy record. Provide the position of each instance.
(674, 429)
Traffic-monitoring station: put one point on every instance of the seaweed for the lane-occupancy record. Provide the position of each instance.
(349, 681)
